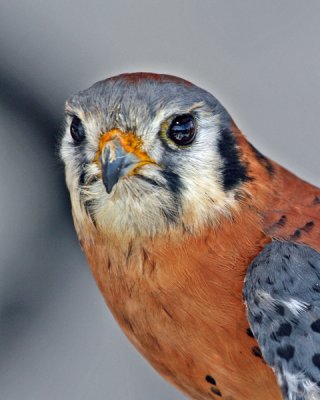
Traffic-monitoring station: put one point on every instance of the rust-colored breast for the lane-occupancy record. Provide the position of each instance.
(181, 305)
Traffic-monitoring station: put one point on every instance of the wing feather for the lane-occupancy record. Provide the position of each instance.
(282, 296)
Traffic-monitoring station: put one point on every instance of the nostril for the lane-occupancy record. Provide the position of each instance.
(105, 155)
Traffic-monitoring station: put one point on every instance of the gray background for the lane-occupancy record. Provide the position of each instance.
(260, 58)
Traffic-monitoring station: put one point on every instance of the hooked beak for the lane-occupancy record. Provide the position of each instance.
(120, 156)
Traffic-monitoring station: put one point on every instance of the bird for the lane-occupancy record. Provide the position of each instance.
(205, 250)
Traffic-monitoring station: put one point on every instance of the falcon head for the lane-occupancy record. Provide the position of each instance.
(147, 153)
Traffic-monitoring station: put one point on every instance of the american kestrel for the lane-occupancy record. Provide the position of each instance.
(205, 250)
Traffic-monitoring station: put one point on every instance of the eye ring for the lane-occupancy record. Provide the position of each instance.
(182, 130)
(77, 130)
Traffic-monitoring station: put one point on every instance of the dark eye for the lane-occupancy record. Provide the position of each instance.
(77, 130)
(182, 130)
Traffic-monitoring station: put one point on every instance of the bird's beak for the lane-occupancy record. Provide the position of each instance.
(120, 154)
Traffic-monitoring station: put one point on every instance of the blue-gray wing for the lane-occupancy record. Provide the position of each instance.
(282, 296)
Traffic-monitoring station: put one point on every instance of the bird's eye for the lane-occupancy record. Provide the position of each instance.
(182, 130)
(77, 130)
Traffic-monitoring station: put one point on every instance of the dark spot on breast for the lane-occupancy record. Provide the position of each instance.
(286, 256)
(315, 326)
(249, 332)
(305, 228)
(234, 172)
(308, 226)
(279, 224)
(210, 379)
(285, 329)
(216, 391)
(282, 221)
(263, 160)
(279, 309)
(316, 200)
(286, 352)
(256, 351)
(296, 234)
(316, 360)
(316, 287)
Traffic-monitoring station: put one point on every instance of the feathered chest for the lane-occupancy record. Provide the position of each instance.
(181, 306)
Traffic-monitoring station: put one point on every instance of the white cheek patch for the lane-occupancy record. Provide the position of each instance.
(136, 206)
(204, 200)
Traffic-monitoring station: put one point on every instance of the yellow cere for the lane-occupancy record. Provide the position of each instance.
(131, 144)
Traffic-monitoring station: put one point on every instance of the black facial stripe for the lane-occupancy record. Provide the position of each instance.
(233, 171)
(174, 184)
(173, 181)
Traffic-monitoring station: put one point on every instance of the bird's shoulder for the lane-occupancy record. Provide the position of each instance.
(294, 212)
